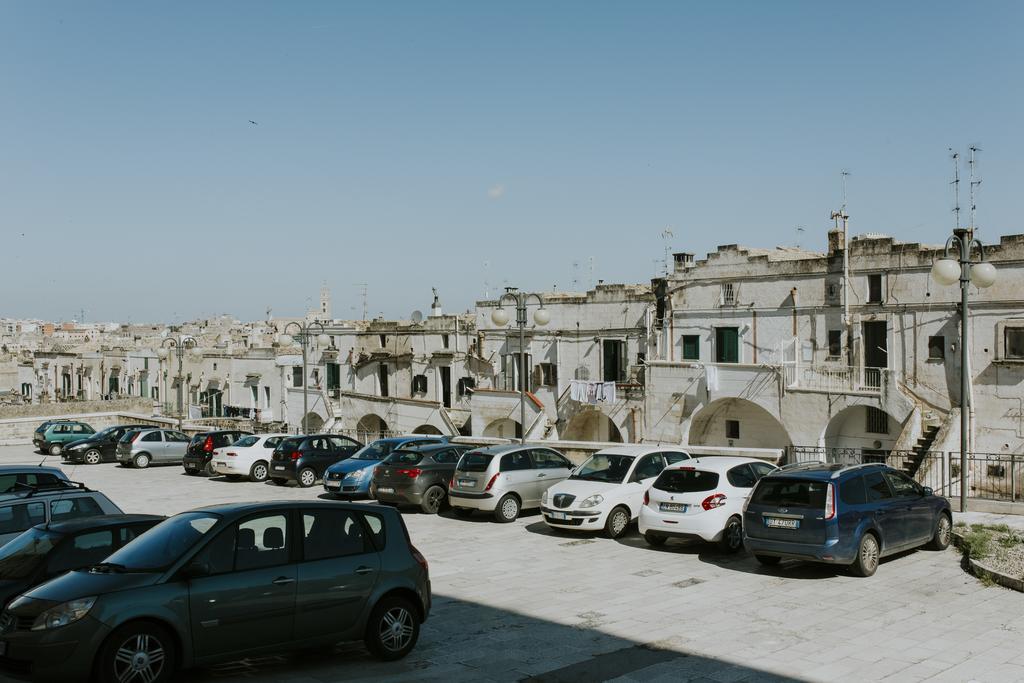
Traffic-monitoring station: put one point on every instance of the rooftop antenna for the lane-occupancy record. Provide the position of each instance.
(845, 174)
(575, 276)
(974, 183)
(362, 292)
(956, 187)
(487, 284)
(799, 235)
(591, 271)
(666, 235)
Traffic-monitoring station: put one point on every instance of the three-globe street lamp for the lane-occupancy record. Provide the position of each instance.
(178, 345)
(499, 316)
(305, 334)
(947, 271)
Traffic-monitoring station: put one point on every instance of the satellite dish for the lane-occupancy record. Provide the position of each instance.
(417, 316)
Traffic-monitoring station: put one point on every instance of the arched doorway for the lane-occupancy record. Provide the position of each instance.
(427, 429)
(867, 429)
(592, 425)
(371, 427)
(737, 422)
(313, 423)
(505, 428)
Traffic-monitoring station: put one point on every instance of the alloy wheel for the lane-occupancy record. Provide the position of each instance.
(619, 522)
(92, 457)
(735, 535)
(509, 508)
(869, 553)
(307, 478)
(140, 658)
(945, 530)
(396, 628)
(434, 498)
(259, 472)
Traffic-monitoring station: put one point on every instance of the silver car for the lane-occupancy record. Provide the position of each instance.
(505, 480)
(159, 446)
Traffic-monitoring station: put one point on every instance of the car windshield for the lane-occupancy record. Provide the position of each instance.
(246, 441)
(161, 547)
(686, 480)
(20, 557)
(404, 458)
(474, 461)
(378, 450)
(604, 467)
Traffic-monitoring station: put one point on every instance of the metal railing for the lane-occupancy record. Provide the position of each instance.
(835, 379)
(990, 476)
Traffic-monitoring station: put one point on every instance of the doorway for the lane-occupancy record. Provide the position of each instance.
(446, 386)
(876, 351)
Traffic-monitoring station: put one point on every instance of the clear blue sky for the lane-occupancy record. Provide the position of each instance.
(406, 144)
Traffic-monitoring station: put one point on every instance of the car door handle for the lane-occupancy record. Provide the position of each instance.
(282, 581)
(539, 476)
(364, 570)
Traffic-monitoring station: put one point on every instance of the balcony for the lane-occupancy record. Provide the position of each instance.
(836, 379)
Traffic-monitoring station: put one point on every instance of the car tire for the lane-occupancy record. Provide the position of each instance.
(618, 522)
(306, 477)
(732, 536)
(55, 449)
(464, 513)
(141, 461)
(392, 629)
(768, 560)
(868, 553)
(654, 540)
(259, 471)
(507, 510)
(280, 482)
(943, 533)
(134, 643)
(92, 457)
(433, 499)
(208, 470)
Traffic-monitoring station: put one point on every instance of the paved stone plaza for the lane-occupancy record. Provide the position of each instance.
(517, 601)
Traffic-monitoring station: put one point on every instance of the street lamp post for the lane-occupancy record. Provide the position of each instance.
(305, 334)
(178, 346)
(947, 271)
(500, 318)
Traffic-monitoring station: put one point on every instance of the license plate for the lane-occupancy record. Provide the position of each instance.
(220, 464)
(384, 490)
(780, 523)
(558, 515)
(674, 507)
(466, 483)
(332, 484)
(278, 467)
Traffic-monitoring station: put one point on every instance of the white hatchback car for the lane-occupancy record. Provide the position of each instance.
(701, 499)
(247, 457)
(607, 490)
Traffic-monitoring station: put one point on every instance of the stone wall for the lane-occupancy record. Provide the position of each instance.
(143, 406)
(19, 430)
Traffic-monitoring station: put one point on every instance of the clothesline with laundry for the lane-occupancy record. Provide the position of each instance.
(591, 392)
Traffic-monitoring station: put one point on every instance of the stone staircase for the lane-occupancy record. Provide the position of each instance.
(912, 461)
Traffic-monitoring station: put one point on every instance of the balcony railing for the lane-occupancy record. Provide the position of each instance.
(836, 379)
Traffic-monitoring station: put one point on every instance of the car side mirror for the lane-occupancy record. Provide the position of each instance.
(927, 491)
(196, 570)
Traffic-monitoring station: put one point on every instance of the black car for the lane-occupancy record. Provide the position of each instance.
(49, 550)
(199, 455)
(304, 459)
(99, 447)
(417, 475)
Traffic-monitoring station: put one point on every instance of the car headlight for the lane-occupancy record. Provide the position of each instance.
(592, 501)
(64, 614)
(544, 498)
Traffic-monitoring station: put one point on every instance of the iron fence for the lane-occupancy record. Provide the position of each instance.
(990, 476)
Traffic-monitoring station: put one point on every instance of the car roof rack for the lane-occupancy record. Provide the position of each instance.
(59, 485)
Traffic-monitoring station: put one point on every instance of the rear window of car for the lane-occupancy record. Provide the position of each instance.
(798, 493)
(686, 481)
(852, 492)
(401, 457)
(290, 445)
(475, 462)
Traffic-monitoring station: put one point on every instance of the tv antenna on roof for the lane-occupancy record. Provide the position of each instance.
(799, 235)
(974, 183)
(666, 235)
(956, 187)
(417, 317)
(362, 292)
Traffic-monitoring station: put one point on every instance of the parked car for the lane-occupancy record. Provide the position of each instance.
(50, 437)
(16, 479)
(99, 447)
(417, 475)
(304, 459)
(607, 490)
(223, 583)
(49, 550)
(140, 448)
(50, 503)
(846, 515)
(701, 499)
(247, 457)
(505, 480)
(352, 476)
(203, 446)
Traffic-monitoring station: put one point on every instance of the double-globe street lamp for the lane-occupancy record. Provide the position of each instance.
(178, 345)
(499, 316)
(305, 334)
(947, 271)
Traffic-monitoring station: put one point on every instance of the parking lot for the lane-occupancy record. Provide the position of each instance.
(517, 601)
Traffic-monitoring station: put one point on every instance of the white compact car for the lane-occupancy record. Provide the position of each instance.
(247, 457)
(607, 490)
(701, 499)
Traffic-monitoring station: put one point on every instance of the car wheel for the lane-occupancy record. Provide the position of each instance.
(55, 449)
(307, 477)
(464, 513)
(92, 457)
(768, 560)
(507, 510)
(617, 522)
(138, 651)
(259, 471)
(655, 540)
(393, 629)
(208, 470)
(867, 556)
(280, 482)
(732, 537)
(943, 533)
(141, 461)
(432, 500)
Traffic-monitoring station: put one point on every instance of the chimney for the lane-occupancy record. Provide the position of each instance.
(435, 307)
(835, 241)
(682, 260)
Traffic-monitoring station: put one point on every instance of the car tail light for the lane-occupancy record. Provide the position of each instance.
(491, 482)
(830, 502)
(716, 500)
(647, 497)
(208, 444)
(420, 560)
(411, 472)
(451, 484)
(295, 455)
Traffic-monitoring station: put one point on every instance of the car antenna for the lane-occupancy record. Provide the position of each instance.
(49, 518)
